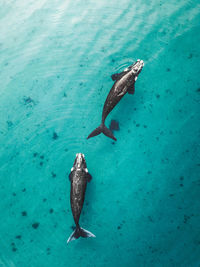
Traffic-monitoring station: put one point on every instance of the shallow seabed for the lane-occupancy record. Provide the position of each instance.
(143, 204)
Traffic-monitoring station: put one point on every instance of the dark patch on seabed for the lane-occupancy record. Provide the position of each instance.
(13, 246)
(28, 101)
(35, 225)
(24, 213)
(55, 136)
(51, 210)
(35, 154)
(53, 174)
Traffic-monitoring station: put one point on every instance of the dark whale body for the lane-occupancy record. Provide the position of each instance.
(124, 83)
(79, 178)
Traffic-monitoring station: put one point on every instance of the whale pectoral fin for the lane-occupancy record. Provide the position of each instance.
(131, 89)
(70, 176)
(89, 177)
(117, 76)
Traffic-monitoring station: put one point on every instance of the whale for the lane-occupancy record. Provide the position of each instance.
(79, 177)
(124, 83)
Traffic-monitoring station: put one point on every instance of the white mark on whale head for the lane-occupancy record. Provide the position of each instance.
(80, 163)
(137, 67)
(142, 62)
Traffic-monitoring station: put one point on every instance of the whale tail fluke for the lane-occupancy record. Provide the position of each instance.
(80, 232)
(102, 129)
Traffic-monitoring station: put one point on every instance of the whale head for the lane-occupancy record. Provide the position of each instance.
(132, 73)
(80, 163)
(137, 67)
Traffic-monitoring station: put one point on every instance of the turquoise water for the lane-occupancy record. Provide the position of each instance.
(143, 205)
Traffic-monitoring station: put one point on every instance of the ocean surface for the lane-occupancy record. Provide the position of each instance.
(143, 203)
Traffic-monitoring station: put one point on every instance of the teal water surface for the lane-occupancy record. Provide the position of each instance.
(143, 203)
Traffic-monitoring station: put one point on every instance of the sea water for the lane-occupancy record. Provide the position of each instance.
(143, 203)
